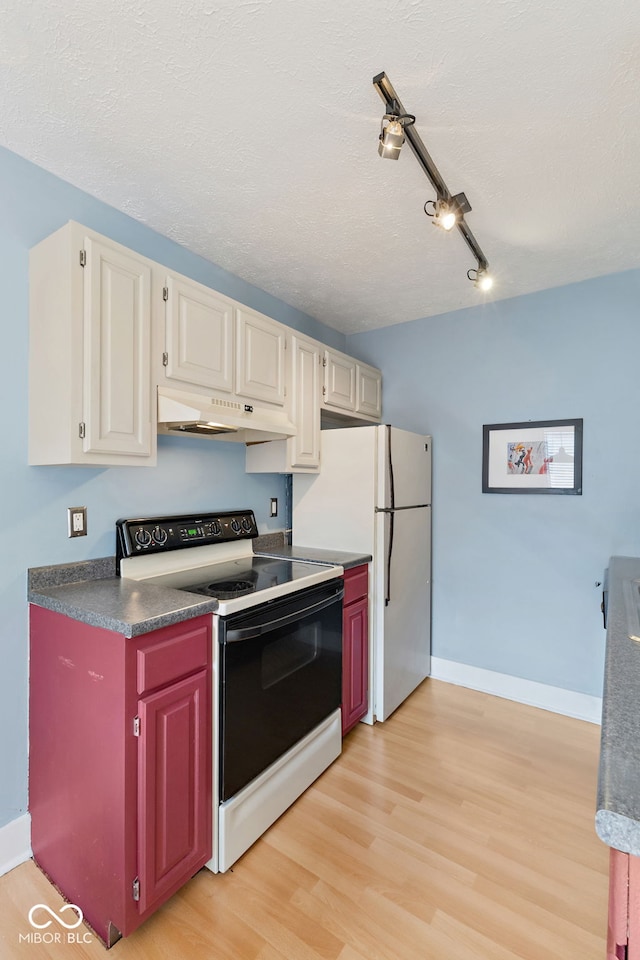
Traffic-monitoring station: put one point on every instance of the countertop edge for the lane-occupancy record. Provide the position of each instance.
(93, 610)
(340, 558)
(618, 831)
(617, 818)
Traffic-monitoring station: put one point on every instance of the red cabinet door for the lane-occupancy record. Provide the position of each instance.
(174, 787)
(355, 663)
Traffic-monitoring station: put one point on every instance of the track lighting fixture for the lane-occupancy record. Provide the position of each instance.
(448, 210)
(392, 135)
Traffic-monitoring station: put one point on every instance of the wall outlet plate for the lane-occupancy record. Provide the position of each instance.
(77, 521)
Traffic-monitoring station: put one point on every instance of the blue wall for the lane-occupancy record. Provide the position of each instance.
(514, 576)
(191, 474)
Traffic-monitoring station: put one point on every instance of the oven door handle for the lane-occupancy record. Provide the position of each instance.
(248, 633)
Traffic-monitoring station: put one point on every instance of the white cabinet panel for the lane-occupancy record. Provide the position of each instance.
(305, 390)
(369, 393)
(89, 352)
(117, 358)
(300, 453)
(260, 372)
(339, 381)
(199, 343)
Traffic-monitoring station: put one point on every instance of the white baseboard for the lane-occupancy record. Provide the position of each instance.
(15, 843)
(568, 702)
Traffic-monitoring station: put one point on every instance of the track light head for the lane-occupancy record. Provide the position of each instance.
(481, 278)
(392, 135)
(447, 213)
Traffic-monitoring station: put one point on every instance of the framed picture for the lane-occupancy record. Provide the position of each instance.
(544, 456)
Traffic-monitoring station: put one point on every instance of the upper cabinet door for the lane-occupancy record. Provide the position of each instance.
(305, 405)
(117, 351)
(199, 335)
(260, 372)
(339, 381)
(369, 393)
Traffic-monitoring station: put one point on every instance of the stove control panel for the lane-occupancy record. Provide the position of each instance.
(138, 536)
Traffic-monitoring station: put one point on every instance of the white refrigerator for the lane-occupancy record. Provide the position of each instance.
(373, 495)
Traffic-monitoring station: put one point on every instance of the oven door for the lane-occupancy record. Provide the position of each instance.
(280, 676)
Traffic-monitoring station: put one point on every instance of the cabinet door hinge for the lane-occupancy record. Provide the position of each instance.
(83, 258)
(135, 889)
(136, 726)
(82, 430)
(165, 293)
(324, 391)
(165, 359)
(324, 361)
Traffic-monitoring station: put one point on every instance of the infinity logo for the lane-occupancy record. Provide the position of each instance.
(47, 923)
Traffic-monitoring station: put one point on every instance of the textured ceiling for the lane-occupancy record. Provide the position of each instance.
(246, 130)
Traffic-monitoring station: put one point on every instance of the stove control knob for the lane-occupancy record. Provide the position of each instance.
(159, 536)
(235, 525)
(142, 537)
(247, 526)
(213, 528)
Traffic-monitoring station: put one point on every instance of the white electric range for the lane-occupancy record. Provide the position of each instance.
(277, 661)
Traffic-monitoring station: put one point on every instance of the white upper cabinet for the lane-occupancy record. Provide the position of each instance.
(339, 388)
(351, 386)
(260, 357)
(90, 352)
(369, 391)
(95, 311)
(199, 335)
(300, 453)
(305, 403)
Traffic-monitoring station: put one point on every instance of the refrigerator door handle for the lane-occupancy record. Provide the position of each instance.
(412, 506)
(392, 492)
(387, 599)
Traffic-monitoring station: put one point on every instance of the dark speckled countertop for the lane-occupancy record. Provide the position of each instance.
(314, 555)
(618, 805)
(89, 591)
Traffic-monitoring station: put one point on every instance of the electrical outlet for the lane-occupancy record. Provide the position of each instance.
(77, 520)
(274, 507)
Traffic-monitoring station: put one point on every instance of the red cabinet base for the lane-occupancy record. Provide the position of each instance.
(355, 647)
(119, 764)
(623, 934)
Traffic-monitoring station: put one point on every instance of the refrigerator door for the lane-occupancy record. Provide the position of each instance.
(404, 468)
(402, 633)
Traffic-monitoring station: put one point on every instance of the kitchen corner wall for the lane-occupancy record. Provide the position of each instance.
(515, 577)
(191, 474)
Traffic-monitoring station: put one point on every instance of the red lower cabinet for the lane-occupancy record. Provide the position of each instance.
(355, 647)
(120, 764)
(623, 935)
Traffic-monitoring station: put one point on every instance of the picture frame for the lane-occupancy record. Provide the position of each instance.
(541, 456)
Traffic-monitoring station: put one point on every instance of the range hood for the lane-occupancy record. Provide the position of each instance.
(195, 415)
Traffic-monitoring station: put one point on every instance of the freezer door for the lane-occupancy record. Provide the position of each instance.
(402, 629)
(404, 468)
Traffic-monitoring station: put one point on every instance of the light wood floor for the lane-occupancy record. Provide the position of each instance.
(463, 828)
